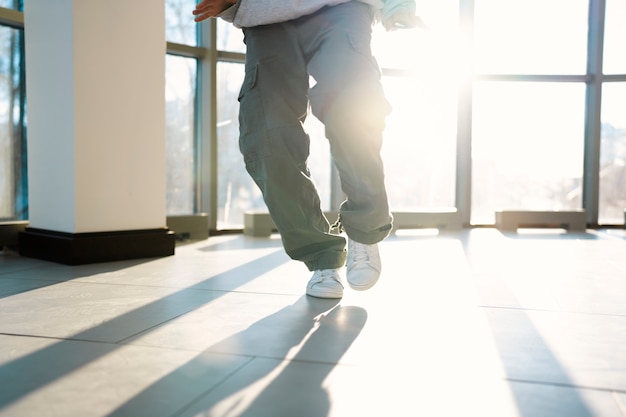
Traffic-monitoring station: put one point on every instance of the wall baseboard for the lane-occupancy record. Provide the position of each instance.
(85, 248)
(9, 232)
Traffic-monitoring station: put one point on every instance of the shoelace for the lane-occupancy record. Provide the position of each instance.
(360, 252)
(324, 275)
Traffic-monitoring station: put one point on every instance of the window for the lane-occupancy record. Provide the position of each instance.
(420, 79)
(13, 165)
(180, 110)
(531, 70)
(614, 35)
(612, 176)
(179, 24)
(180, 94)
(236, 190)
(613, 154)
(528, 111)
(12, 4)
(530, 37)
(527, 148)
(229, 38)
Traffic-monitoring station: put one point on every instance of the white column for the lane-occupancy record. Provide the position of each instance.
(95, 76)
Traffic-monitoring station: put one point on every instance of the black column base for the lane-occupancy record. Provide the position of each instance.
(85, 248)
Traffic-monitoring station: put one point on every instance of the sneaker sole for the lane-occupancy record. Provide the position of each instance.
(324, 294)
(363, 287)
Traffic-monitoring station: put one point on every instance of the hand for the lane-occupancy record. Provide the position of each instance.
(211, 8)
(403, 18)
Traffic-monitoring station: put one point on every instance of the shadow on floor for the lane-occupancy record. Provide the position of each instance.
(317, 335)
(31, 372)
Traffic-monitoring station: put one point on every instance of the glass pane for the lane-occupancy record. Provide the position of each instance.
(179, 24)
(414, 48)
(229, 38)
(531, 37)
(420, 143)
(614, 35)
(237, 193)
(419, 150)
(13, 175)
(613, 154)
(180, 83)
(12, 4)
(527, 147)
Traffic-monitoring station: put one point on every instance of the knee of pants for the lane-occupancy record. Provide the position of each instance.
(363, 105)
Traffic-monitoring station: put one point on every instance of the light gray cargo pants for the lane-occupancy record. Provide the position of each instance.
(332, 46)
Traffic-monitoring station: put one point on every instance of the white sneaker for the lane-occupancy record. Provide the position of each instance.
(363, 265)
(325, 283)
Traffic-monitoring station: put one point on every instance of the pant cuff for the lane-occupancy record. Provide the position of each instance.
(368, 238)
(327, 260)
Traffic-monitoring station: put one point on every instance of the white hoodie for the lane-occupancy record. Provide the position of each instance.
(248, 13)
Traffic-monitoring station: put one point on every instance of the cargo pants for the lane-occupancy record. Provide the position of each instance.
(332, 46)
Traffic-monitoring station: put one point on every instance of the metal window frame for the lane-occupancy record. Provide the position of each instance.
(12, 18)
(206, 121)
(593, 102)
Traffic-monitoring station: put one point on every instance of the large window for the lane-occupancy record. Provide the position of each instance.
(524, 111)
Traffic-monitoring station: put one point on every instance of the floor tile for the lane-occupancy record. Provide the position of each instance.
(12, 262)
(261, 269)
(97, 312)
(561, 348)
(44, 377)
(244, 324)
(269, 387)
(11, 286)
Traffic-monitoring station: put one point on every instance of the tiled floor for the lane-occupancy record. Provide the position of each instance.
(474, 323)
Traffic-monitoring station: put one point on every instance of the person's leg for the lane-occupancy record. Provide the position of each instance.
(273, 105)
(348, 98)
